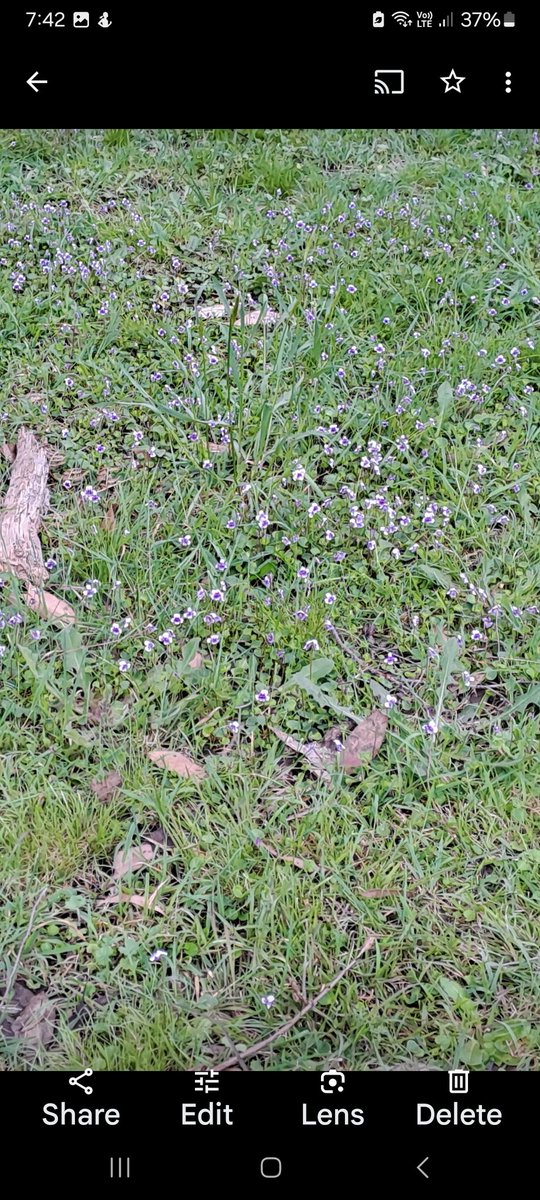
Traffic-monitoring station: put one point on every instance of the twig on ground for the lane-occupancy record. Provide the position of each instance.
(278, 1033)
(13, 973)
(21, 511)
(376, 671)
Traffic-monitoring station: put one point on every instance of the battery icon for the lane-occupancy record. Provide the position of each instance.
(509, 20)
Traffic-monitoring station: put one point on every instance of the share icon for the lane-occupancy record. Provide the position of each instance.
(75, 1081)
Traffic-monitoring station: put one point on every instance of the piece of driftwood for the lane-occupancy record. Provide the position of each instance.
(21, 511)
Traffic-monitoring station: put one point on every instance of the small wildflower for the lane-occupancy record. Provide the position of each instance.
(156, 955)
(268, 1001)
(329, 598)
(123, 664)
(262, 696)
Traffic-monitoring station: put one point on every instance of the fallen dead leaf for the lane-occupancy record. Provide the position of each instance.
(210, 312)
(364, 741)
(22, 510)
(142, 902)
(105, 788)
(35, 1024)
(175, 760)
(196, 661)
(157, 837)
(109, 520)
(7, 450)
(20, 996)
(215, 311)
(218, 447)
(378, 893)
(47, 605)
(251, 317)
(318, 755)
(126, 861)
(137, 901)
(292, 858)
(97, 710)
(298, 995)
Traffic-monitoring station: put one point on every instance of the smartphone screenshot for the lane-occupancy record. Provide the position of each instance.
(269, 600)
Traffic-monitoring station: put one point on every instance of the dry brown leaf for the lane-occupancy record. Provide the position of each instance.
(109, 520)
(292, 858)
(97, 710)
(7, 450)
(298, 995)
(196, 661)
(218, 447)
(105, 788)
(158, 837)
(378, 893)
(364, 741)
(47, 605)
(35, 1024)
(137, 901)
(211, 311)
(251, 317)
(22, 510)
(126, 861)
(318, 755)
(215, 311)
(142, 902)
(175, 760)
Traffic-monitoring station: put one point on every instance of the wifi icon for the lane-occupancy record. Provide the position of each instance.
(402, 18)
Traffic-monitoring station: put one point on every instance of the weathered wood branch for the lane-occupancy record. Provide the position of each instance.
(21, 512)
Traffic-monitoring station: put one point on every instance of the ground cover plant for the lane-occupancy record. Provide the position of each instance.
(287, 383)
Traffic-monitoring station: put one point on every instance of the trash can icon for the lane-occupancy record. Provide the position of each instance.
(458, 1082)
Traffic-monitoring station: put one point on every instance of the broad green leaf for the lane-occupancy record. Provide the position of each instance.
(434, 573)
(531, 696)
(453, 990)
(306, 681)
(445, 398)
(315, 671)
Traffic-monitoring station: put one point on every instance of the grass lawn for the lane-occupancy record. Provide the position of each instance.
(283, 522)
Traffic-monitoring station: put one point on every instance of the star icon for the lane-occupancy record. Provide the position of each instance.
(452, 82)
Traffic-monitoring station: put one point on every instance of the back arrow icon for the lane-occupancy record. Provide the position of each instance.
(33, 80)
(420, 1165)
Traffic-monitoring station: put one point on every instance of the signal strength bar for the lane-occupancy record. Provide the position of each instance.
(447, 22)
